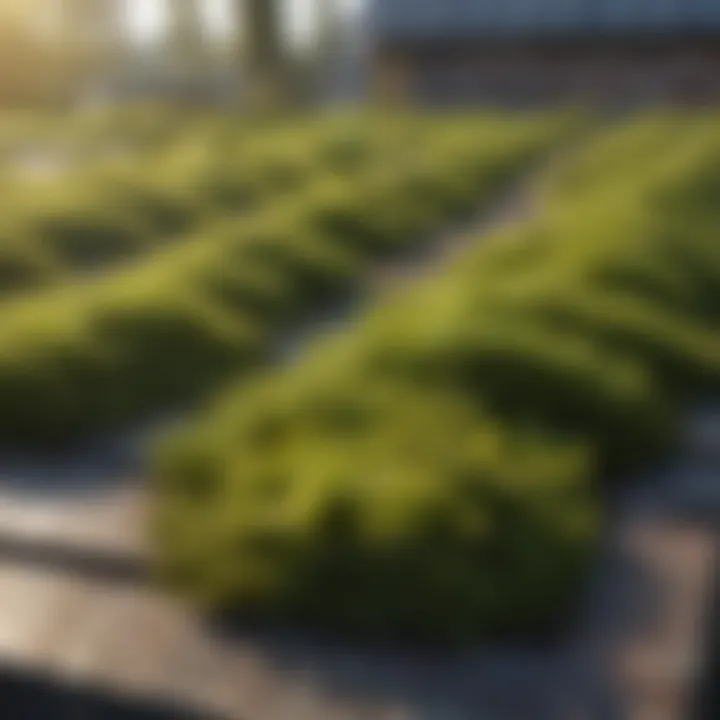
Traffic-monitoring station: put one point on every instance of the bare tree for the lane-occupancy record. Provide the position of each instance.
(186, 49)
(328, 45)
(263, 53)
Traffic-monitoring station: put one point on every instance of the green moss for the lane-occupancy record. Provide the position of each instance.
(159, 333)
(433, 474)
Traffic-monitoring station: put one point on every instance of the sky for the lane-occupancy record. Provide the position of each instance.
(146, 16)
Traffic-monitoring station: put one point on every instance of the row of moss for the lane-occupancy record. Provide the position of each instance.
(435, 474)
(86, 132)
(85, 217)
(159, 333)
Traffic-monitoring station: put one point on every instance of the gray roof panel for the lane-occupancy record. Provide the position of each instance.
(443, 18)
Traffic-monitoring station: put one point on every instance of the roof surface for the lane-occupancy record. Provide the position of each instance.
(455, 18)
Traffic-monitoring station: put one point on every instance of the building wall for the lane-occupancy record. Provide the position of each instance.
(526, 73)
(428, 19)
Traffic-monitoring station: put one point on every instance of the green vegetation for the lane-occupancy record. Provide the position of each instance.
(435, 473)
(162, 332)
(89, 214)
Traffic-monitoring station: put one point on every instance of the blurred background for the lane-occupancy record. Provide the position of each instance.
(604, 52)
(99, 51)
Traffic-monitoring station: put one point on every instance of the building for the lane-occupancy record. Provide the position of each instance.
(521, 52)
